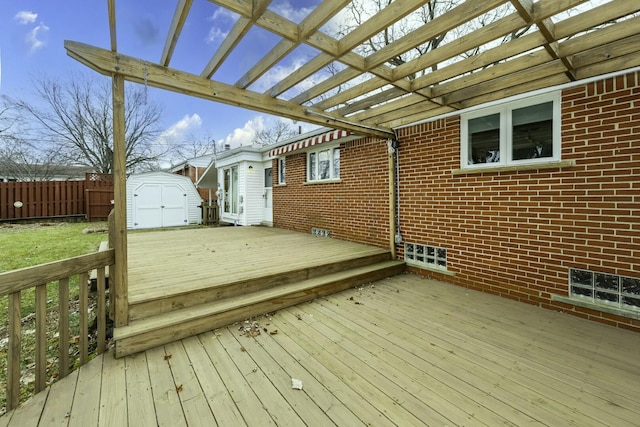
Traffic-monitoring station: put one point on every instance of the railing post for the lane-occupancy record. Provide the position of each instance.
(13, 357)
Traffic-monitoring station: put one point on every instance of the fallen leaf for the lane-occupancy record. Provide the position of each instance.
(242, 348)
(179, 388)
(275, 331)
(167, 356)
(298, 316)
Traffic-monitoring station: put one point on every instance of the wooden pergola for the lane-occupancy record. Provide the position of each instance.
(550, 52)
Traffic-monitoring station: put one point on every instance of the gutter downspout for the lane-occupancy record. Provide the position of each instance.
(391, 148)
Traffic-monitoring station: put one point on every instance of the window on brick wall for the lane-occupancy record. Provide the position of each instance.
(323, 164)
(425, 256)
(605, 288)
(282, 170)
(521, 132)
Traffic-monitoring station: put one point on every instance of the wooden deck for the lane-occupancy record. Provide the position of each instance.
(404, 351)
(183, 261)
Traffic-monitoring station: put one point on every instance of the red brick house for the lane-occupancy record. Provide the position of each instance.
(535, 198)
(194, 168)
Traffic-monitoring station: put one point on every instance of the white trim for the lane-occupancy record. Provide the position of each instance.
(505, 111)
(332, 174)
(523, 95)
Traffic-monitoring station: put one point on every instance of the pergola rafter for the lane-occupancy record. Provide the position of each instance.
(371, 94)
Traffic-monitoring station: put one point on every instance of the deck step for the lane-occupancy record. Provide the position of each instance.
(141, 308)
(143, 334)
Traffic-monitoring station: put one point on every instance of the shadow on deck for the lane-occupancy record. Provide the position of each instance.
(403, 351)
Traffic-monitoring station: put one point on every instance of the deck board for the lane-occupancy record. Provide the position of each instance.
(411, 352)
(165, 263)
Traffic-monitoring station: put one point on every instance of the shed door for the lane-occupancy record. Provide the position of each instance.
(174, 205)
(147, 202)
(159, 205)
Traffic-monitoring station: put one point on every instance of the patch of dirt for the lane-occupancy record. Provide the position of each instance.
(7, 227)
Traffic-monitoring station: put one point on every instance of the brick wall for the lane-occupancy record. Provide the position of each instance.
(513, 234)
(355, 209)
(516, 234)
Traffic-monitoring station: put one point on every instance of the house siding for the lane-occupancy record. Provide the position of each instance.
(354, 209)
(511, 233)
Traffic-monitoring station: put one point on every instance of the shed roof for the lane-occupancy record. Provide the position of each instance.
(374, 93)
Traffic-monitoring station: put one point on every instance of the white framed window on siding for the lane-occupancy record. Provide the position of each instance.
(323, 164)
(282, 170)
(526, 131)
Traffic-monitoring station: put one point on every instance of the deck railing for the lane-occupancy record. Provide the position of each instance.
(14, 283)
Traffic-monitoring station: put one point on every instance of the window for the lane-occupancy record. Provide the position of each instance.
(323, 165)
(519, 132)
(605, 288)
(282, 170)
(425, 256)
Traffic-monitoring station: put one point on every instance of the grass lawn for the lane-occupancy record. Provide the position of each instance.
(27, 245)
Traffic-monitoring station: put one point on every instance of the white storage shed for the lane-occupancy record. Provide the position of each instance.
(161, 199)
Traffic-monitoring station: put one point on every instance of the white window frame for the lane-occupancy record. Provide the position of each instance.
(506, 132)
(333, 174)
(282, 170)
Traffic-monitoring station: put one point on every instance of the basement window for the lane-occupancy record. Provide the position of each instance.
(431, 257)
(603, 288)
(516, 133)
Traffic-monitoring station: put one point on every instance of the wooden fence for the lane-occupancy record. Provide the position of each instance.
(52, 199)
(99, 196)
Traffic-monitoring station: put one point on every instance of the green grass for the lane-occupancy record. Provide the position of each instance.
(29, 245)
(25, 246)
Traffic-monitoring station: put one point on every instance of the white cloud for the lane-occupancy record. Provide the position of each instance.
(35, 37)
(176, 132)
(244, 136)
(216, 35)
(285, 9)
(224, 15)
(277, 74)
(25, 17)
(221, 18)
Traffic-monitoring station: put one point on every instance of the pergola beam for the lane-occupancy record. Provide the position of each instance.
(320, 15)
(139, 71)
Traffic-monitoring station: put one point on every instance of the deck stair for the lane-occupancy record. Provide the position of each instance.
(172, 317)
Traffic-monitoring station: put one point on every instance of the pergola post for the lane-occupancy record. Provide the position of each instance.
(119, 283)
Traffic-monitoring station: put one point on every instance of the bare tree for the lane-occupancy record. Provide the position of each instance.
(195, 146)
(76, 118)
(280, 131)
(359, 11)
(20, 159)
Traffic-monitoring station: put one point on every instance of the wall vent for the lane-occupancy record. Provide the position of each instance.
(319, 232)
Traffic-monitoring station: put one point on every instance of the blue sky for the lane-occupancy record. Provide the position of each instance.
(32, 35)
